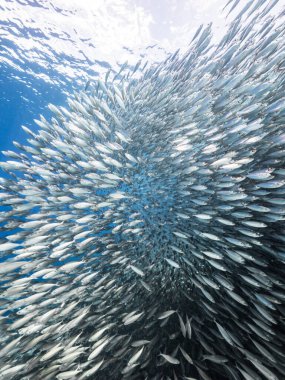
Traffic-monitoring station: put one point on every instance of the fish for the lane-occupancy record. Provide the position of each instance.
(170, 359)
(166, 314)
(156, 190)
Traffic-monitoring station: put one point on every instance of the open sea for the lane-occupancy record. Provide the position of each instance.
(142, 189)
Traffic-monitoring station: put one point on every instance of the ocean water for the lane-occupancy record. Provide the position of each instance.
(144, 227)
(51, 48)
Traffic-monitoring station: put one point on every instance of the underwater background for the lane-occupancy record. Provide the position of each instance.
(51, 48)
(142, 187)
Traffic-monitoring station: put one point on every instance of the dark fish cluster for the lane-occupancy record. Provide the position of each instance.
(143, 225)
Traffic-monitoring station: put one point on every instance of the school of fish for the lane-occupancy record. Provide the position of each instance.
(143, 225)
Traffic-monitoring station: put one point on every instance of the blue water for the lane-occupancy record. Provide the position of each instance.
(19, 105)
(49, 49)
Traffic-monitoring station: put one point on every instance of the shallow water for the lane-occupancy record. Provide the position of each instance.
(51, 48)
